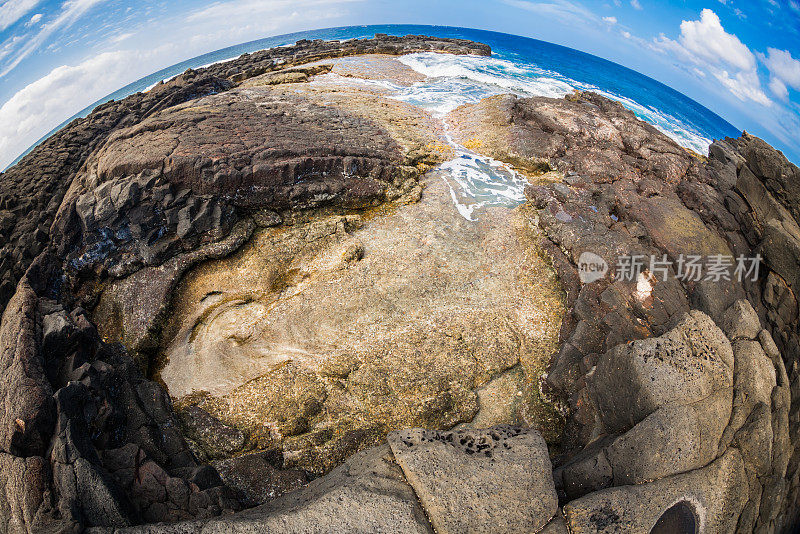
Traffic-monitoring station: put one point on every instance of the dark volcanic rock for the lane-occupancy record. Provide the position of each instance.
(257, 479)
(628, 190)
(28, 411)
(589, 135)
(267, 150)
(631, 191)
(216, 439)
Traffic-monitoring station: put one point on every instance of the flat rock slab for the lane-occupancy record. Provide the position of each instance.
(494, 480)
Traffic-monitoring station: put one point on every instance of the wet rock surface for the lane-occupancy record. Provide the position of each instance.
(324, 336)
(681, 396)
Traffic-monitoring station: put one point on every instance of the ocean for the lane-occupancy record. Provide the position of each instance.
(519, 64)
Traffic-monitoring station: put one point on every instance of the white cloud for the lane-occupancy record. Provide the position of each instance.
(9, 45)
(71, 11)
(784, 70)
(779, 88)
(636, 4)
(705, 44)
(708, 41)
(13, 10)
(248, 20)
(34, 20)
(121, 37)
(42, 105)
(254, 9)
(626, 34)
(744, 85)
(610, 20)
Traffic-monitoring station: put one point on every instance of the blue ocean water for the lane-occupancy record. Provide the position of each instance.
(519, 64)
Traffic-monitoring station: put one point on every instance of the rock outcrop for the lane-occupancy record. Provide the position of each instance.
(125, 234)
(671, 378)
(497, 480)
(87, 439)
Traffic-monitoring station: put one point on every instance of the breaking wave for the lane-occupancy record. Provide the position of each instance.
(457, 80)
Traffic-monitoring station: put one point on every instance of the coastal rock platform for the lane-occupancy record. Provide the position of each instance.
(245, 301)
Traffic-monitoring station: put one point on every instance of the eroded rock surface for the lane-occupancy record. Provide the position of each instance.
(662, 204)
(338, 330)
(138, 203)
(587, 134)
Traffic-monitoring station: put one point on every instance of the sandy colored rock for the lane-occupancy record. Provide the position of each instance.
(320, 329)
(26, 405)
(370, 67)
(492, 480)
(715, 495)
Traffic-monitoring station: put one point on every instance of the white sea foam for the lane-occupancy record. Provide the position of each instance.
(457, 80)
(477, 182)
(466, 79)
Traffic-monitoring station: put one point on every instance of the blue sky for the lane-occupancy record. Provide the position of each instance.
(740, 59)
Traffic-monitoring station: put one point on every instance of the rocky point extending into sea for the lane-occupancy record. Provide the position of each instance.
(244, 301)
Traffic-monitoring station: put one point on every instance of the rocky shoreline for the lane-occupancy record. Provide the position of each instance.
(142, 225)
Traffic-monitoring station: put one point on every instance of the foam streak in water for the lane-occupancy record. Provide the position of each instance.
(478, 182)
(475, 181)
